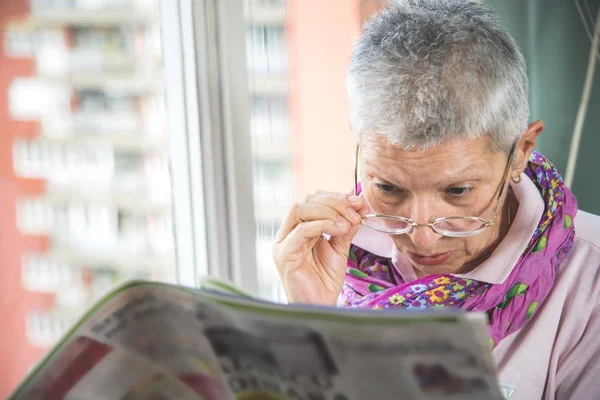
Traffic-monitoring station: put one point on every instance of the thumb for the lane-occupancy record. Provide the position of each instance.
(341, 244)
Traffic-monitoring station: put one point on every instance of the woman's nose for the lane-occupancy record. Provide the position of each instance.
(424, 238)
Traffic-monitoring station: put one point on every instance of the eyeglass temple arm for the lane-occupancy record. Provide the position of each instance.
(505, 177)
(356, 171)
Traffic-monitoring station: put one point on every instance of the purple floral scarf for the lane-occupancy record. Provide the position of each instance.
(373, 282)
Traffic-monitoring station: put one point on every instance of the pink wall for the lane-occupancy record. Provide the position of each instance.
(369, 7)
(16, 354)
(320, 38)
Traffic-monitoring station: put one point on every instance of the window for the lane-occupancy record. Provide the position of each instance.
(301, 141)
(111, 182)
(45, 328)
(269, 117)
(101, 280)
(103, 40)
(266, 50)
(86, 143)
(66, 161)
(265, 3)
(22, 41)
(45, 274)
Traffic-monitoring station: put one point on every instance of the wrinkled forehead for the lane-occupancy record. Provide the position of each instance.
(455, 159)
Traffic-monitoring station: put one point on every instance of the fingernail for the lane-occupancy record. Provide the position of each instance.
(354, 199)
(342, 222)
(353, 215)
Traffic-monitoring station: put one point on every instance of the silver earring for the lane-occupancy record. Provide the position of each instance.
(518, 179)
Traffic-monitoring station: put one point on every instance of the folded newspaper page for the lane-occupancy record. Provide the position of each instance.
(157, 341)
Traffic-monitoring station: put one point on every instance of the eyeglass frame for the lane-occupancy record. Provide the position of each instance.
(432, 220)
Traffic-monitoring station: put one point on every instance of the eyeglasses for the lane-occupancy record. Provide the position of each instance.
(447, 226)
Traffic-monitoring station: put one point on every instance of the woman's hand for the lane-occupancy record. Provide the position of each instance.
(311, 267)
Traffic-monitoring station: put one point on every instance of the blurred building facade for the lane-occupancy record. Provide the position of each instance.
(84, 170)
(84, 178)
(270, 128)
(298, 72)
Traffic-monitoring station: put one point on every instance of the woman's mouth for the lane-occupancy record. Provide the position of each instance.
(435, 259)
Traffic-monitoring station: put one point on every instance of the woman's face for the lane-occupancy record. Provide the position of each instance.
(460, 178)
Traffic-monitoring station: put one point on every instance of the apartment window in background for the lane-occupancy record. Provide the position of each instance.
(85, 142)
(297, 53)
(86, 157)
(267, 62)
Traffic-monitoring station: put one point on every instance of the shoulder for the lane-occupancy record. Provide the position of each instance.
(574, 309)
(587, 228)
(579, 274)
(584, 260)
(576, 343)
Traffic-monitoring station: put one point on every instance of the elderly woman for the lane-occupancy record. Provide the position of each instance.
(452, 205)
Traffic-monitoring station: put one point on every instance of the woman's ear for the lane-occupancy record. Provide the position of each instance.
(526, 145)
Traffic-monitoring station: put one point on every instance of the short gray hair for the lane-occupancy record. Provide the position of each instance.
(428, 71)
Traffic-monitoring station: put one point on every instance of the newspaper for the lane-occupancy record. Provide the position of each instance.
(157, 341)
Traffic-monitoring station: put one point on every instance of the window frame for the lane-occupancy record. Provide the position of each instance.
(208, 114)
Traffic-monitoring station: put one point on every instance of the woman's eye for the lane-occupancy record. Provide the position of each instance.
(383, 187)
(458, 191)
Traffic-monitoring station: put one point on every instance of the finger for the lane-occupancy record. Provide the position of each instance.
(344, 203)
(357, 202)
(305, 235)
(341, 243)
(312, 211)
(360, 205)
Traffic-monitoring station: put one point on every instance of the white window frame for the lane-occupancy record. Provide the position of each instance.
(208, 112)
